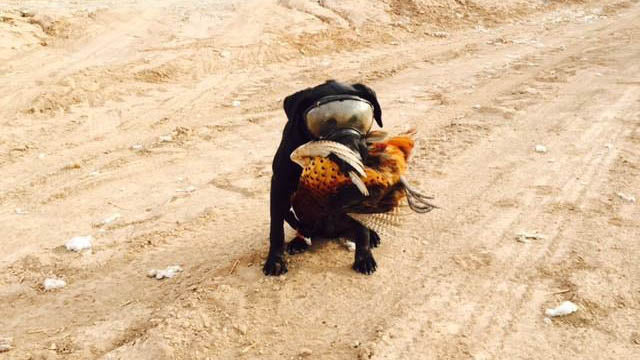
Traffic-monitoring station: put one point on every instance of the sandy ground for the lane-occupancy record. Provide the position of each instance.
(168, 113)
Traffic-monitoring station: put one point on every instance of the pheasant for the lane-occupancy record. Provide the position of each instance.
(371, 191)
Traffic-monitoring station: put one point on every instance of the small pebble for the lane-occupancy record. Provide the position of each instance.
(27, 13)
(541, 149)
(438, 34)
(79, 243)
(111, 219)
(188, 189)
(566, 308)
(524, 236)
(305, 352)
(627, 198)
(5, 344)
(242, 329)
(167, 273)
(53, 284)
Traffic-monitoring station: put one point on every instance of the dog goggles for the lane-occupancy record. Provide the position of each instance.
(334, 112)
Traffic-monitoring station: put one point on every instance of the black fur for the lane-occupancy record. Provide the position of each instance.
(286, 174)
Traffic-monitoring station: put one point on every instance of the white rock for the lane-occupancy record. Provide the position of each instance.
(79, 243)
(627, 198)
(42, 156)
(136, 147)
(236, 103)
(20, 211)
(110, 219)
(5, 344)
(52, 284)
(168, 273)
(541, 149)
(563, 309)
(438, 34)
(188, 189)
(524, 236)
(225, 53)
(165, 138)
(94, 173)
(304, 352)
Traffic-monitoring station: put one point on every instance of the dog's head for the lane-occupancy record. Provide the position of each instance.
(325, 110)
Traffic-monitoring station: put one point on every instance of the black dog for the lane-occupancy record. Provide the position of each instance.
(286, 175)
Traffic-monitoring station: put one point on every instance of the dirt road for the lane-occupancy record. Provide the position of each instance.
(164, 117)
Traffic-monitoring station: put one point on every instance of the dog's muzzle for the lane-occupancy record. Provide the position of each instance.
(336, 112)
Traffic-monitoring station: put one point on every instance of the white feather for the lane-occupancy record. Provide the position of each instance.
(384, 223)
(357, 181)
(324, 148)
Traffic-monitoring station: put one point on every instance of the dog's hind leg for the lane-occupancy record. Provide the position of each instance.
(298, 244)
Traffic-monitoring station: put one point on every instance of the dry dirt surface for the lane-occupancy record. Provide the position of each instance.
(163, 116)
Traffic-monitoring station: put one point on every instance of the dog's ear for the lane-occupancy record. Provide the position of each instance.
(292, 103)
(368, 94)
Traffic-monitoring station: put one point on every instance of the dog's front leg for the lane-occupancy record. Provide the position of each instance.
(280, 204)
(364, 261)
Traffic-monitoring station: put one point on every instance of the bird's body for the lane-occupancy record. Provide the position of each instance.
(328, 196)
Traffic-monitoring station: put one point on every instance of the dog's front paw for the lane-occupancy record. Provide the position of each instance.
(365, 263)
(275, 266)
(297, 245)
(374, 239)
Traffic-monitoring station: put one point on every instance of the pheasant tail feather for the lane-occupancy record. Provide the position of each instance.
(387, 223)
